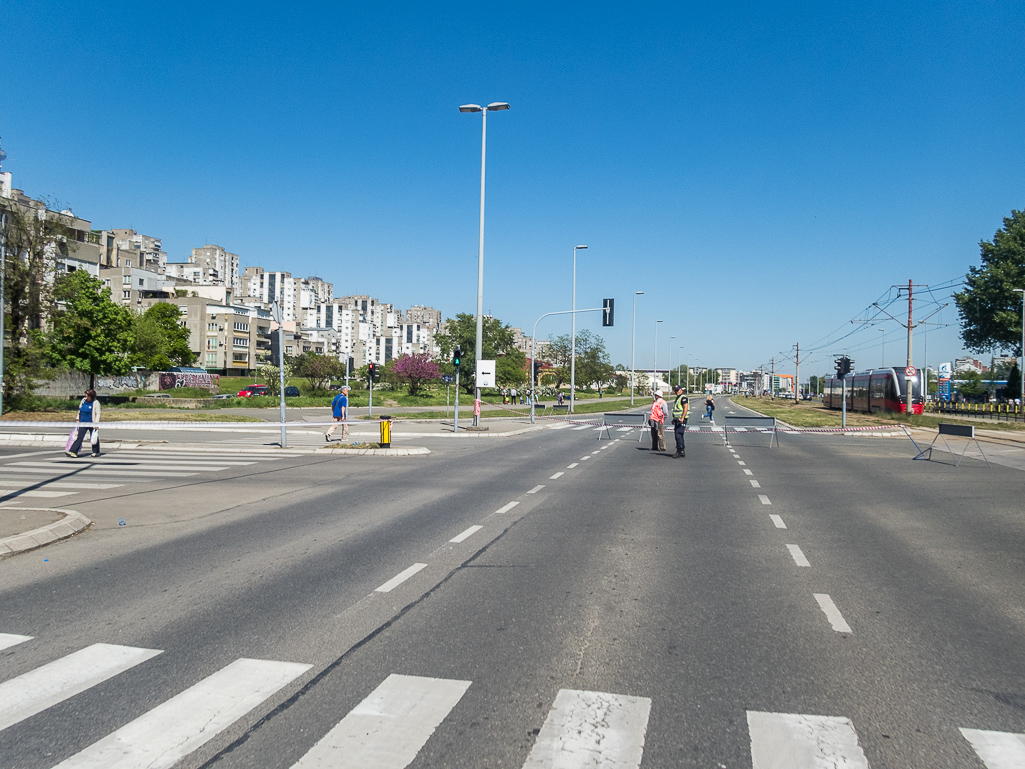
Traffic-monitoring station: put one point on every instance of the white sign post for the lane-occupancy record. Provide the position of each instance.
(485, 374)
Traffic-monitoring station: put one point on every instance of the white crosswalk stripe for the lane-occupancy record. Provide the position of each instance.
(163, 736)
(591, 729)
(387, 729)
(38, 689)
(795, 741)
(7, 640)
(997, 750)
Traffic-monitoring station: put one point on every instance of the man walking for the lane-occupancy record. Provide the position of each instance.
(657, 417)
(681, 410)
(340, 412)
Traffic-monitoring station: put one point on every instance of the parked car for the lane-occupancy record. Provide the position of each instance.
(292, 392)
(254, 389)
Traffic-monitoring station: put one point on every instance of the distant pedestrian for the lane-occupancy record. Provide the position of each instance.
(681, 410)
(657, 418)
(599, 393)
(561, 399)
(88, 414)
(340, 413)
(709, 408)
(514, 395)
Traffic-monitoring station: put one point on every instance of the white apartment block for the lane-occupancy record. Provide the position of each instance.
(129, 286)
(127, 248)
(272, 286)
(427, 317)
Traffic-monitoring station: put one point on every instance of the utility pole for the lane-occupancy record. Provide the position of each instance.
(772, 379)
(910, 326)
(797, 376)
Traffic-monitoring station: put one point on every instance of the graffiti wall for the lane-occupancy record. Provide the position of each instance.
(169, 380)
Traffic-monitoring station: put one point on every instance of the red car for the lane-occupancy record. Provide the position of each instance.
(250, 390)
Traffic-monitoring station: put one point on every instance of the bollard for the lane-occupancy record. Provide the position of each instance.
(385, 431)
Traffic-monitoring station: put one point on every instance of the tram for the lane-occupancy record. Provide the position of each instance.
(878, 389)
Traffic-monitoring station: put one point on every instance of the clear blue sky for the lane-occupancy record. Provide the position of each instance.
(763, 172)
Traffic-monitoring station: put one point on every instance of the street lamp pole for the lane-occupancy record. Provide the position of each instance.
(573, 336)
(654, 362)
(1022, 370)
(493, 107)
(633, 349)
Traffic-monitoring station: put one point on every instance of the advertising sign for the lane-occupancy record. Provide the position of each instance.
(485, 373)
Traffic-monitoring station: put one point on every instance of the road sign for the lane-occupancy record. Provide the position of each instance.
(910, 371)
(485, 373)
(446, 378)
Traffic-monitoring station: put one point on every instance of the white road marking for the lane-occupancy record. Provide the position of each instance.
(832, 613)
(536, 489)
(58, 484)
(56, 681)
(997, 750)
(38, 494)
(560, 427)
(584, 459)
(598, 429)
(90, 472)
(741, 463)
(7, 640)
(399, 578)
(625, 429)
(466, 534)
(755, 484)
(557, 475)
(733, 450)
(764, 499)
(582, 427)
(68, 464)
(591, 729)
(169, 732)
(389, 727)
(797, 741)
(570, 467)
(748, 472)
(778, 521)
(506, 507)
(595, 452)
(798, 556)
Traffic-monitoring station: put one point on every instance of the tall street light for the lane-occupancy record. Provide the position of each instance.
(633, 348)
(654, 362)
(669, 371)
(493, 107)
(1022, 369)
(573, 336)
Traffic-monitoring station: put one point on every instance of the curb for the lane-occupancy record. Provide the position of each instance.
(72, 523)
(410, 452)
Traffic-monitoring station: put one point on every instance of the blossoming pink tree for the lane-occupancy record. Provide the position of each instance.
(415, 370)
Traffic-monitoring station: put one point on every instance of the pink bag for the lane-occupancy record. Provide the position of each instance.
(71, 439)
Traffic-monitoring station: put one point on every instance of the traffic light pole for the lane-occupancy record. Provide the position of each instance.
(533, 348)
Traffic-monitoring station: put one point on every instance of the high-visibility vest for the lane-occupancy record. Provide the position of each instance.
(681, 401)
(657, 415)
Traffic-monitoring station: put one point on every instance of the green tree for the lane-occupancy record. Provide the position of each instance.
(496, 340)
(317, 370)
(511, 369)
(1013, 388)
(33, 239)
(594, 366)
(989, 309)
(969, 384)
(90, 333)
(160, 341)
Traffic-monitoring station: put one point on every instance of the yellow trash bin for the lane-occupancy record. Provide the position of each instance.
(385, 432)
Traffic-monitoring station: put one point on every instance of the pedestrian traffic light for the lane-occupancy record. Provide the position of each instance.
(456, 357)
(372, 372)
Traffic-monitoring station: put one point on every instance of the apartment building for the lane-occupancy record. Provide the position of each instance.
(208, 266)
(427, 317)
(129, 286)
(128, 248)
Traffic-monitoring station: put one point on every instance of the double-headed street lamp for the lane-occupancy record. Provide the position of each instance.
(493, 107)
(573, 335)
(633, 348)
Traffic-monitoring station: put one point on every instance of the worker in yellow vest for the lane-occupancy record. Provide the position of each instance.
(681, 410)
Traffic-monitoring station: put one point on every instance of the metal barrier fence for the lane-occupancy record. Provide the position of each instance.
(750, 424)
(1001, 412)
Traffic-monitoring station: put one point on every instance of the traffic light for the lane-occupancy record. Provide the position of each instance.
(457, 357)
(849, 367)
(372, 372)
(844, 366)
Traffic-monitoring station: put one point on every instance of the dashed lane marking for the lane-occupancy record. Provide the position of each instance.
(832, 613)
(798, 556)
(401, 577)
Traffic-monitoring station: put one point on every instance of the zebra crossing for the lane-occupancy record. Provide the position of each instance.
(52, 475)
(392, 724)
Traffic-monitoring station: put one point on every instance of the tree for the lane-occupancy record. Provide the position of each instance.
(969, 385)
(415, 370)
(990, 310)
(496, 339)
(160, 342)
(511, 368)
(33, 239)
(91, 333)
(317, 370)
(1013, 388)
(594, 366)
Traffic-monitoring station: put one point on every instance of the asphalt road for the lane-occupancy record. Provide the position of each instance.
(667, 591)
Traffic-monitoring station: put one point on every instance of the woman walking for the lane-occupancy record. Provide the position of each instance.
(88, 414)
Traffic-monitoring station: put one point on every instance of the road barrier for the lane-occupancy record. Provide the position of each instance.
(954, 431)
(755, 423)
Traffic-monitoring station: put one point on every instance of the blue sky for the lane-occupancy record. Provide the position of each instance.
(764, 172)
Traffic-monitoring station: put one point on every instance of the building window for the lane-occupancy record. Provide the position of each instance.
(240, 358)
(126, 294)
(126, 280)
(128, 262)
(211, 359)
(240, 341)
(211, 326)
(211, 344)
(239, 326)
